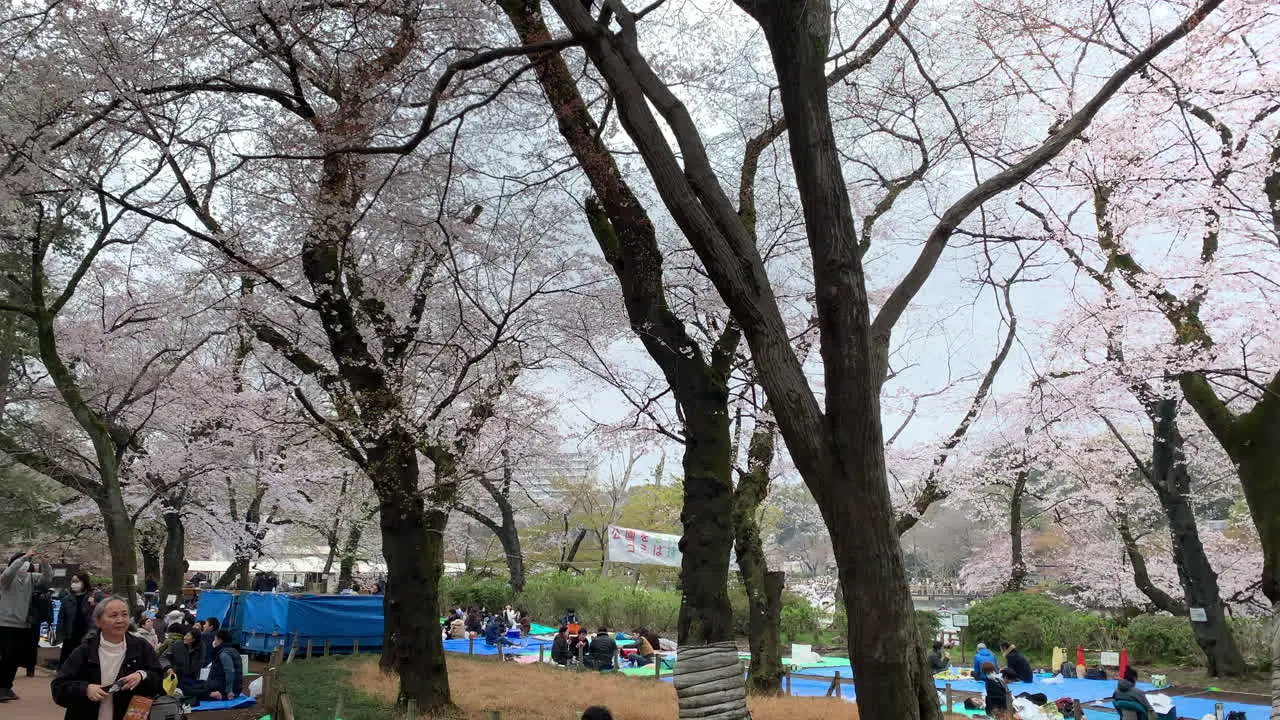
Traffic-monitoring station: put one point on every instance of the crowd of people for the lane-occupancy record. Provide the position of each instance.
(572, 644)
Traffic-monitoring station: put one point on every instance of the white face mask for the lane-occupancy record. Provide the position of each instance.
(77, 587)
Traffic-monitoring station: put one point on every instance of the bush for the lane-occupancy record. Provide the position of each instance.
(467, 590)
(799, 617)
(600, 600)
(928, 624)
(1157, 639)
(1253, 636)
(1004, 616)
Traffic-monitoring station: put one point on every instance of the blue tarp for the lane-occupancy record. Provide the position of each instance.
(479, 647)
(1086, 691)
(206, 705)
(1188, 707)
(261, 622)
(214, 604)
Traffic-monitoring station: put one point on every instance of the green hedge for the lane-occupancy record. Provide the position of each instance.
(600, 600)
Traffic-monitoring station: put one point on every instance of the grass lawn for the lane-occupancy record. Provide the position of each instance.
(518, 692)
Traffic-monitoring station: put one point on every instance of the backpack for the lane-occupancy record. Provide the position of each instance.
(166, 708)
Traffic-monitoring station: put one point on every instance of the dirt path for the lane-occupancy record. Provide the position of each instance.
(34, 701)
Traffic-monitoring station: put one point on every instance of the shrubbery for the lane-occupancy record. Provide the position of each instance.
(1162, 639)
(600, 601)
(1006, 617)
(799, 617)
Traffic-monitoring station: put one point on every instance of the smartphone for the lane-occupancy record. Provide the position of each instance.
(115, 688)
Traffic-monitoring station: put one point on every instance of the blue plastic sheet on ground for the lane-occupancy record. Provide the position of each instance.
(1189, 707)
(479, 647)
(214, 604)
(1085, 691)
(207, 705)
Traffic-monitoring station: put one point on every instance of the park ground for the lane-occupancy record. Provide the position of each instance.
(527, 692)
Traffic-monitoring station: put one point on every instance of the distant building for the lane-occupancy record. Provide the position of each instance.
(539, 476)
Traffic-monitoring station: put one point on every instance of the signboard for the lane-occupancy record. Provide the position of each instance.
(1110, 659)
(1199, 615)
(959, 621)
(641, 547)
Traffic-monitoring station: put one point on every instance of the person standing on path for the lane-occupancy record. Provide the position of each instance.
(111, 658)
(17, 585)
(75, 615)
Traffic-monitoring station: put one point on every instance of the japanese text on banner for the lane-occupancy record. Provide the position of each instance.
(641, 547)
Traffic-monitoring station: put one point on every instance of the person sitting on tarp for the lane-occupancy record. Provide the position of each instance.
(980, 658)
(495, 633)
(457, 628)
(1016, 661)
(474, 625)
(208, 632)
(1126, 689)
(560, 654)
(579, 642)
(603, 648)
(997, 692)
(183, 660)
(226, 674)
(645, 651)
(938, 660)
(526, 624)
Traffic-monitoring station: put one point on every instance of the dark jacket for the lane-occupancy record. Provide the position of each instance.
(1018, 663)
(206, 639)
(600, 655)
(560, 649)
(936, 662)
(185, 661)
(997, 693)
(70, 688)
(1125, 690)
(75, 618)
(226, 675)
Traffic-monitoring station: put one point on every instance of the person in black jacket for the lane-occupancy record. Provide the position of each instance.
(183, 660)
(75, 615)
(110, 657)
(997, 704)
(603, 648)
(1017, 662)
(560, 654)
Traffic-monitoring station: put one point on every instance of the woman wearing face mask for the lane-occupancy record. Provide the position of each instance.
(74, 615)
(110, 659)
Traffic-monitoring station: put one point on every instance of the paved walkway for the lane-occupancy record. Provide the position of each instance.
(34, 701)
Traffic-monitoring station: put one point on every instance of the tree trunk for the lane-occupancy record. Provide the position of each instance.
(1141, 578)
(413, 544)
(566, 561)
(175, 556)
(850, 482)
(1017, 563)
(707, 680)
(123, 548)
(149, 548)
(1172, 483)
(347, 565)
(237, 574)
(764, 588)
(510, 539)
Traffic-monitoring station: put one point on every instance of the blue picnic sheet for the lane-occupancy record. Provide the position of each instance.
(1086, 691)
(528, 646)
(1198, 707)
(207, 705)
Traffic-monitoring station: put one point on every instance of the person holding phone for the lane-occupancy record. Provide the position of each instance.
(20, 581)
(108, 669)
